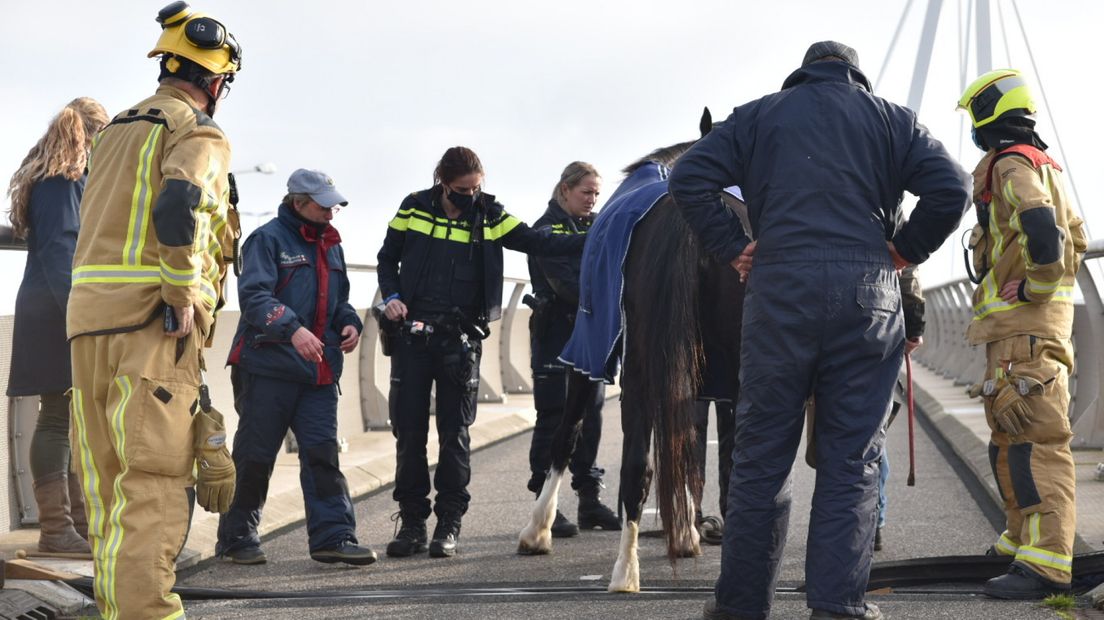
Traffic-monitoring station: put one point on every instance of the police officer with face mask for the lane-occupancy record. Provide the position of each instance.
(440, 272)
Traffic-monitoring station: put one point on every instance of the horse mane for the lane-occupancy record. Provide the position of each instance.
(665, 156)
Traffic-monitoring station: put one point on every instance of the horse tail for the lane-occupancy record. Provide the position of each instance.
(664, 353)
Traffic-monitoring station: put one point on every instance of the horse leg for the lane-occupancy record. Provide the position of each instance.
(536, 537)
(689, 541)
(636, 479)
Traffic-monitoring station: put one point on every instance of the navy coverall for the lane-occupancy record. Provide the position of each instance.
(822, 164)
(293, 276)
(556, 287)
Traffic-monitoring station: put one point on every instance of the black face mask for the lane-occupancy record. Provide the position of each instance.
(978, 140)
(463, 202)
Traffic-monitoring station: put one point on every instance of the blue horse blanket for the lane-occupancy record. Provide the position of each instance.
(597, 345)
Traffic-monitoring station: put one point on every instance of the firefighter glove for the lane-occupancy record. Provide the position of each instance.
(216, 475)
(1011, 411)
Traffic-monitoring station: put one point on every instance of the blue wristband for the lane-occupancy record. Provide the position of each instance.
(391, 297)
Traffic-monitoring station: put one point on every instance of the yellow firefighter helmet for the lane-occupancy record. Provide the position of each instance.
(197, 37)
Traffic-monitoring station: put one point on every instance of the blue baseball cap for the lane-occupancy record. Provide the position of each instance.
(318, 185)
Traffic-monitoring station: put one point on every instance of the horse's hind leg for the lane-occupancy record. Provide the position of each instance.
(536, 538)
(636, 479)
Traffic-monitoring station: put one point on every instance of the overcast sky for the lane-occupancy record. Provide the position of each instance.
(374, 92)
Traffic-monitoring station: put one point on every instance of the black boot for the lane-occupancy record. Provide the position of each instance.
(562, 528)
(445, 536)
(593, 514)
(410, 538)
(1023, 584)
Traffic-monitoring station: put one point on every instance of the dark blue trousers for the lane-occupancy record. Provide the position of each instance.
(550, 397)
(267, 408)
(829, 323)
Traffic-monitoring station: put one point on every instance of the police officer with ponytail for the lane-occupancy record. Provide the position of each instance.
(554, 301)
(440, 272)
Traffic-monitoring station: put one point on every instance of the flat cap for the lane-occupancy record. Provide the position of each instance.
(821, 49)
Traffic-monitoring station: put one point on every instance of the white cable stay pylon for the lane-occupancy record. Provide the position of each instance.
(980, 15)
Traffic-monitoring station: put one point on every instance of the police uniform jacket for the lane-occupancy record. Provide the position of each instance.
(293, 276)
(421, 221)
(822, 163)
(40, 361)
(555, 281)
(156, 225)
(1032, 234)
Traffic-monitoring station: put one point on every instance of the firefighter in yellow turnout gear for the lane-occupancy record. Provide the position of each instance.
(1026, 250)
(156, 236)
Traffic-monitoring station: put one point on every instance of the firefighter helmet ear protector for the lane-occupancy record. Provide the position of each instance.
(996, 94)
(198, 38)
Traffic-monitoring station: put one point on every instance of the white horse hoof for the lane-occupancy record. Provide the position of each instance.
(625, 579)
(534, 542)
(626, 571)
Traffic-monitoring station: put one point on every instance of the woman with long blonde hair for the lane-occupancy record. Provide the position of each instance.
(45, 195)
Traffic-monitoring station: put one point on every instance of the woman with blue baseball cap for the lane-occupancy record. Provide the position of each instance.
(296, 325)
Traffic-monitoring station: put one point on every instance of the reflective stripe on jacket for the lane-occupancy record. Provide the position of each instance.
(154, 218)
(1034, 236)
(421, 219)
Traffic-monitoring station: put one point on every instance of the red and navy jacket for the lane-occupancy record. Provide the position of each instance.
(293, 276)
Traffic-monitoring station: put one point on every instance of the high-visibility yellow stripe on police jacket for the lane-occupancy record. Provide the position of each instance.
(155, 226)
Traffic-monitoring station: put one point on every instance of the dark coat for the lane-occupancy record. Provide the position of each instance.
(556, 286)
(279, 292)
(40, 352)
(822, 163)
(421, 220)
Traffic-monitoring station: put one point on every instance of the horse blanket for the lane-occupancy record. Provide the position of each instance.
(597, 345)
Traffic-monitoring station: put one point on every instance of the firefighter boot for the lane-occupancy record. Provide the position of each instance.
(76, 506)
(57, 534)
(593, 514)
(1021, 583)
(410, 538)
(445, 536)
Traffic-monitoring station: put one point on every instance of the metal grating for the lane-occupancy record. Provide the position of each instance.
(19, 605)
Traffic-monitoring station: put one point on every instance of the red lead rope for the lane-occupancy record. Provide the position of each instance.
(911, 416)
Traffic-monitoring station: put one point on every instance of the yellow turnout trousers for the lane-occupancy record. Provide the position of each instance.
(1035, 471)
(131, 433)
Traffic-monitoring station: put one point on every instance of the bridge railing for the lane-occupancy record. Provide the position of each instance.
(504, 370)
(949, 311)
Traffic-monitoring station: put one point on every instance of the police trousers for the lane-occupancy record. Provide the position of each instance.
(830, 325)
(418, 364)
(550, 397)
(132, 402)
(1035, 470)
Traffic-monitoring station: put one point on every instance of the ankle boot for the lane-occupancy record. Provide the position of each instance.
(56, 533)
(594, 514)
(446, 536)
(410, 538)
(76, 506)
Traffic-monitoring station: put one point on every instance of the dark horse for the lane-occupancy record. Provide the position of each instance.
(678, 305)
